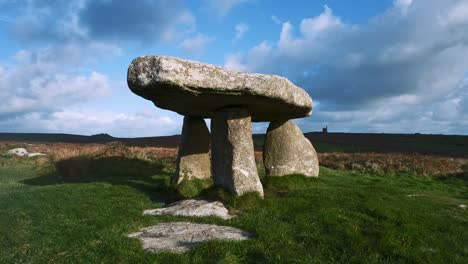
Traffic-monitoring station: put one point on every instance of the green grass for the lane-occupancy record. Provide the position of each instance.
(82, 211)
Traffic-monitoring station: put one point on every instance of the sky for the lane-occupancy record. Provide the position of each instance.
(380, 66)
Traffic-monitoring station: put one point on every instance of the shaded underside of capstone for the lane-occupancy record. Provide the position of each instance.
(195, 89)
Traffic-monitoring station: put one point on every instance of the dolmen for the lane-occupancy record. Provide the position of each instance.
(232, 100)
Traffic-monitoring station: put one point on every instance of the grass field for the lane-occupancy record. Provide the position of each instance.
(80, 210)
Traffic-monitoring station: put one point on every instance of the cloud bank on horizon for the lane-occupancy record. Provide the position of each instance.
(401, 68)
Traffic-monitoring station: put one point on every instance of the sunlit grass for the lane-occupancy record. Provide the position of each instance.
(82, 209)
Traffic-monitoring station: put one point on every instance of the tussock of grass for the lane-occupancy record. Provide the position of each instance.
(193, 188)
(80, 208)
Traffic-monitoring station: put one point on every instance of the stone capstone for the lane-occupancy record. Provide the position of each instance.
(193, 160)
(286, 151)
(180, 237)
(195, 89)
(232, 152)
(194, 208)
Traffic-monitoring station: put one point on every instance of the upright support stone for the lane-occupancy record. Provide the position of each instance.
(193, 161)
(287, 151)
(232, 152)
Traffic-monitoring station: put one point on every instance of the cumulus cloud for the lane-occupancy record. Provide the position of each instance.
(396, 67)
(76, 20)
(41, 94)
(241, 29)
(44, 83)
(38, 85)
(68, 54)
(195, 46)
(222, 7)
(149, 122)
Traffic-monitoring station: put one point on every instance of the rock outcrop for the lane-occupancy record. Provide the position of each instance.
(180, 237)
(287, 151)
(195, 89)
(193, 160)
(194, 208)
(232, 149)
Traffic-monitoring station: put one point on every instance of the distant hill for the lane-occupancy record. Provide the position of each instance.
(67, 138)
(444, 145)
(166, 141)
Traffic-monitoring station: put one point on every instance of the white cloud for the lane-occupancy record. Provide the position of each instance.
(184, 25)
(150, 122)
(43, 88)
(233, 62)
(39, 87)
(276, 20)
(403, 5)
(222, 7)
(455, 15)
(241, 29)
(311, 27)
(388, 74)
(258, 55)
(67, 54)
(195, 46)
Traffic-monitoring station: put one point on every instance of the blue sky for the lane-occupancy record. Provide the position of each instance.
(395, 66)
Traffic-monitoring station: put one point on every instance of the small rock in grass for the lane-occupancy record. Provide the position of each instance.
(180, 237)
(191, 207)
(462, 206)
(20, 152)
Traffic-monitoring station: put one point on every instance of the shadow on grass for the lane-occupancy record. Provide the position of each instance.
(149, 177)
(454, 176)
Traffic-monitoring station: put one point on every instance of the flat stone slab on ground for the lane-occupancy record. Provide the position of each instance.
(199, 90)
(180, 237)
(191, 207)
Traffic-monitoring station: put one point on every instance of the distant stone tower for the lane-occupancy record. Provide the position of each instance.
(325, 129)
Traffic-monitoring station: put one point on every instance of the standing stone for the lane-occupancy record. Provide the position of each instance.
(232, 152)
(287, 151)
(193, 161)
